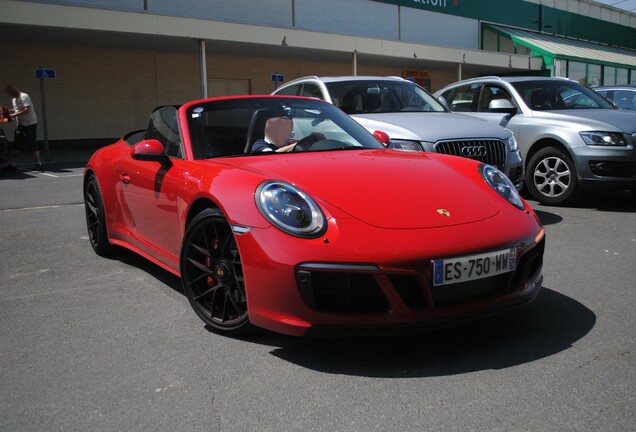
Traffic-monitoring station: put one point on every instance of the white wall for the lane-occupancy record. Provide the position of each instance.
(433, 28)
(350, 17)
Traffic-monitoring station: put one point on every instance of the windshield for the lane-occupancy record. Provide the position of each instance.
(378, 96)
(237, 126)
(551, 95)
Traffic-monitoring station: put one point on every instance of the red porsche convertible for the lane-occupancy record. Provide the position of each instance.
(337, 235)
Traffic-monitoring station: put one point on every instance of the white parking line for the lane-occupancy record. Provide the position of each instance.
(50, 174)
(55, 206)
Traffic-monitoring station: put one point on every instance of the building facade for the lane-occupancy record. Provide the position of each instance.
(115, 60)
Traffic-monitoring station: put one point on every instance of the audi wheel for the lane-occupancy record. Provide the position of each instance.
(551, 177)
(212, 274)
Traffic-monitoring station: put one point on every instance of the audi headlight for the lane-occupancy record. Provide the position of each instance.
(501, 184)
(512, 142)
(290, 209)
(603, 138)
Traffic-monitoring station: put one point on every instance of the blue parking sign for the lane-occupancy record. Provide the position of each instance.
(44, 73)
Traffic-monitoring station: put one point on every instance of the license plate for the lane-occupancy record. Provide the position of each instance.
(472, 267)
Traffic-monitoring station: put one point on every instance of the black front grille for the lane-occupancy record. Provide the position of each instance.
(341, 292)
(492, 152)
(478, 289)
(528, 265)
(410, 290)
(345, 288)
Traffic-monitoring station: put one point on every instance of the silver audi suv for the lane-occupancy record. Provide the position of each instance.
(413, 119)
(571, 139)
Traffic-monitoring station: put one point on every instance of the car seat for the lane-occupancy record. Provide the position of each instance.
(256, 129)
(372, 103)
(352, 101)
(539, 100)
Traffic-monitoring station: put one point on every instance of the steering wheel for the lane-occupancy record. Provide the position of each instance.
(308, 142)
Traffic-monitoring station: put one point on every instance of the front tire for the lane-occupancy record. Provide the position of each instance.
(96, 218)
(551, 177)
(212, 274)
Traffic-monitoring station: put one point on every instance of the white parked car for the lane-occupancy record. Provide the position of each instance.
(413, 119)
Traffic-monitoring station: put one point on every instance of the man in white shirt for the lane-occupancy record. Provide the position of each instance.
(277, 134)
(25, 135)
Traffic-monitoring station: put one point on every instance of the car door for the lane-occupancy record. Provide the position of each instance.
(474, 99)
(487, 94)
(462, 98)
(151, 190)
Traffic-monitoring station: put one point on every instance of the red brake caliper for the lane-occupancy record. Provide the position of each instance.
(208, 262)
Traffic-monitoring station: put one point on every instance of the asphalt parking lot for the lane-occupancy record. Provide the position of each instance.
(99, 344)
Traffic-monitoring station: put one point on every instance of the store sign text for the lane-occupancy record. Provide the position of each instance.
(439, 3)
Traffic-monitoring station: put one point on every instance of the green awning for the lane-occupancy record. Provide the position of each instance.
(557, 47)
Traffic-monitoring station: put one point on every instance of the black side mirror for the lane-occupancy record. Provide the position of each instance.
(503, 106)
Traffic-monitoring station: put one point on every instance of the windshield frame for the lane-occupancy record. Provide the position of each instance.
(212, 124)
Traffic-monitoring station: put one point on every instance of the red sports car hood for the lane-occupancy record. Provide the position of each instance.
(385, 188)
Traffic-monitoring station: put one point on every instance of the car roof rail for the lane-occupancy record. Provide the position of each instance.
(302, 78)
(316, 77)
(493, 77)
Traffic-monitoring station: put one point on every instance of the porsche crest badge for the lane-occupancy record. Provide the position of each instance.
(443, 212)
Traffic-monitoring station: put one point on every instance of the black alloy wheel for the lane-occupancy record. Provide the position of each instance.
(212, 274)
(551, 177)
(95, 218)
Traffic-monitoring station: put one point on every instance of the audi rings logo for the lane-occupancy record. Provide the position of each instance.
(474, 151)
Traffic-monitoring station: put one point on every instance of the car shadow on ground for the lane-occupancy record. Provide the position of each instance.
(61, 167)
(616, 202)
(16, 174)
(551, 324)
(623, 201)
(133, 260)
(548, 218)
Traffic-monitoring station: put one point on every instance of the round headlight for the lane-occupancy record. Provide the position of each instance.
(290, 209)
(501, 184)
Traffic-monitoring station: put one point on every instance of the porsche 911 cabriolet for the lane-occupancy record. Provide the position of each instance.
(335, 235)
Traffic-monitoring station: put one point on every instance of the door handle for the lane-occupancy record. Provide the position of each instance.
(124, 177)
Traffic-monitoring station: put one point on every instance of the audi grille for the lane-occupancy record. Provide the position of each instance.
(492, 152)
